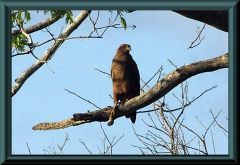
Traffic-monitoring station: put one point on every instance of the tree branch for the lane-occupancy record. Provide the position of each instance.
(38, 26)
(217, 19)
(169, 82)
(198, 37)
(49, 53)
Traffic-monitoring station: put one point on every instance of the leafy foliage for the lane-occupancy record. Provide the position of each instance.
(19, 42)
(61, 14)
(22, 16)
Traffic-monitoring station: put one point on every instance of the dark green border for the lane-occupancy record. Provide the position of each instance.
(5, 74)
(121, 4)
(233, 81)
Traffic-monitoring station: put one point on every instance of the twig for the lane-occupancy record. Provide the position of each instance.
(184, 105)
(28, 149)
(102, 71)
(198, 37)
(106, 137)
(152, 77)
(200, 122)
(172, 63)
(155, 128)
(83, 98)
(61, 147)
(111, 144)
(213, 143)
(85, 146)
(217, 122)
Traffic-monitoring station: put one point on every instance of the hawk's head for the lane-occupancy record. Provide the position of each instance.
(125, 48)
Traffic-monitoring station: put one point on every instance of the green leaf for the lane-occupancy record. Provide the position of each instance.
(27, 15)
(19, 16)
(124, 24)
(69, 16)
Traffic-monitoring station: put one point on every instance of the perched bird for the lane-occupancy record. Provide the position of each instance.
(125, 78)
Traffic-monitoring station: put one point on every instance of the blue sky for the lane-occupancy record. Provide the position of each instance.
(159, 36)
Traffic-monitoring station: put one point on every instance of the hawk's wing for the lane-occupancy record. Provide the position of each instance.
(135, 77)
(135, 85)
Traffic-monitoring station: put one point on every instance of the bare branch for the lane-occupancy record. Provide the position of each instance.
(102, 72)
(155, 127)
(61, 147)
(106, 138)
(109, 25)
(147, 145)
(172, 110)
(29, 149)
(83, 99)
(172, 63)
(60, 39)
(202, 140)
(213, 143)
(59, 125)
(85, 146)
(105, 28)
(198, 37)
(217, 122)
(159, 70)
(200, 122)
(156, 92)
(118, 139)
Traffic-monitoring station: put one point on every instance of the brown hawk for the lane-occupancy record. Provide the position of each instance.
(125, 78)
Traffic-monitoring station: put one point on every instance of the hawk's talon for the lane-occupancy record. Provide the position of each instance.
(110, 121)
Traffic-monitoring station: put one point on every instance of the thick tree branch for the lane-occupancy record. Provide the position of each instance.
(49, 53)
(39, 26)
(169, 82)
(217, 19)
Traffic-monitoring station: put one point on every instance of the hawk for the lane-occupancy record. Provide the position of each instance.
(125, 78)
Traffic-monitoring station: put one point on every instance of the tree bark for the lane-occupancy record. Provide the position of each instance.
(169, 82)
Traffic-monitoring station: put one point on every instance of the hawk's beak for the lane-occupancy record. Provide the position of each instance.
(129, 48)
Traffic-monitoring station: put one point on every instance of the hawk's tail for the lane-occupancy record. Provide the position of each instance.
(132, 116)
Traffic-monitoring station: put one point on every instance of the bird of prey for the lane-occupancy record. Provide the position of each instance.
(125, 78)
